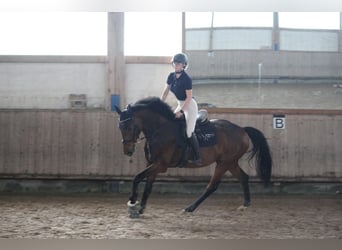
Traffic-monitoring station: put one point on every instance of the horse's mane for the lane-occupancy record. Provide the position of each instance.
(156, 105)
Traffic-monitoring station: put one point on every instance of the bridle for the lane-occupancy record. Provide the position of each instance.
(135, 135)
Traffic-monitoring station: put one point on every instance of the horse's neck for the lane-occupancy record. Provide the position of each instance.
(152, 123)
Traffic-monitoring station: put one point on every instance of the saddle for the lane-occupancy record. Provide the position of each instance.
(205, 131)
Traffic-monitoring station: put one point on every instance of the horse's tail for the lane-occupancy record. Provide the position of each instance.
(261, 151)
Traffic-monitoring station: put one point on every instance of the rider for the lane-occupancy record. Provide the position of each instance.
(180, 83)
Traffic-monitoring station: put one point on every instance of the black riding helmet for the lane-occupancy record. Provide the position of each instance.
(180, 58)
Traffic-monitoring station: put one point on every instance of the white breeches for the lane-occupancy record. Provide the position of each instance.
(190, 115)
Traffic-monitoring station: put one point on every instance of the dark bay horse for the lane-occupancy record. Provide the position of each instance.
(156, 120)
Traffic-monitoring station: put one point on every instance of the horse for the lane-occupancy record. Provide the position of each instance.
(156, 120)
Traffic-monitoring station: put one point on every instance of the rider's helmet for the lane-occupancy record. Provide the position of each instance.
(180, 58)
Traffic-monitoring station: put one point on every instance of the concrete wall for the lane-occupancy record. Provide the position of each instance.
(143, 80)
(229, 79)
(35, 82)
(46, 82)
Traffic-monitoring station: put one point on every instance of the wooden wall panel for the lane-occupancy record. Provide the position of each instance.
(87, 144)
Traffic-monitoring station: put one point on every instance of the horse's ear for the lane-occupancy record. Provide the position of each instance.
(118, 110)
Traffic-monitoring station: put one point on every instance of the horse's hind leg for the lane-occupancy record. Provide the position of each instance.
(211, 188)
(245, 187)
(243, 178)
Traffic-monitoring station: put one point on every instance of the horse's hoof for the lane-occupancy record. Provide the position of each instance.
(242, 208)
(130, 204)
(133, 209)
(187, 211)
(134, 215)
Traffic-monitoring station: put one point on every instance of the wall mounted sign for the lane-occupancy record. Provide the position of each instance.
(279, 121)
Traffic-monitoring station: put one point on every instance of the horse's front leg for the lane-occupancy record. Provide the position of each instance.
(150, 173)
(136, 181)
(147, 191)
(133, 204)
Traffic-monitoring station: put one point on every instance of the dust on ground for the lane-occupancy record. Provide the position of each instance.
(105, 216)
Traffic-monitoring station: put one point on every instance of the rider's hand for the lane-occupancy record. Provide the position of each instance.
(179, 114)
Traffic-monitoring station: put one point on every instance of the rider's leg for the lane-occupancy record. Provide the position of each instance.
(194, 145)
(190, 117)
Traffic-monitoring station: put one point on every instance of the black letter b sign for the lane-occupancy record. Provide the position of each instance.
(279, 122)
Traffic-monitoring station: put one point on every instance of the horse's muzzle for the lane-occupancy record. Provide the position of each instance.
(129, 149)
(129, 153)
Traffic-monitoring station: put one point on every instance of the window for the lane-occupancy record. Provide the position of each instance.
(53, 33)
(198, 20)
(243, 19)
(228, 30)
(228, 19)
(309, 20)
(153, 33)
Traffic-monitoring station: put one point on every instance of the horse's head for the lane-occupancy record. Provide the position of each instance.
(129, 130)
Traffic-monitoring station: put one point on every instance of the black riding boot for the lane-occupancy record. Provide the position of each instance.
(195, 147)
